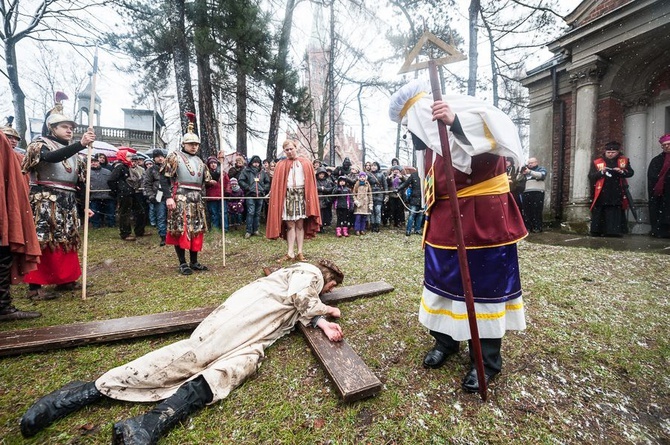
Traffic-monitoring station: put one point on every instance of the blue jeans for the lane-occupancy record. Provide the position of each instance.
(214, 208)
(105, 212)
(415, 219)
(376, 217)
(254, 207)
(152, 213)
(161, 217)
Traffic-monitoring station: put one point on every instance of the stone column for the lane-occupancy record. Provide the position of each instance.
(635, 148)
(586, 78)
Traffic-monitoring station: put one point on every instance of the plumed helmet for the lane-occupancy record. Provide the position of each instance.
(57, 115)
(9, 130)
(189, 136)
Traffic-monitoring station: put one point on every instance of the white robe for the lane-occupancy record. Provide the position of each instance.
(228, 345)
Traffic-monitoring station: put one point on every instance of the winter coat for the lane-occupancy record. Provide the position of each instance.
(379, 184)
(414, 184)
(118, 184)
(343, 200)
(235, 206)
(324, 187)
(99, 178)
(362, 198)
(155, 181)
(254, 181)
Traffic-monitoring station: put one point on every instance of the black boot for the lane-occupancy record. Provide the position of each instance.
(60, 403)
(148, 428)
(7, 311)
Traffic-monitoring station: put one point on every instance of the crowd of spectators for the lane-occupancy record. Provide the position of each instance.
(131, 193)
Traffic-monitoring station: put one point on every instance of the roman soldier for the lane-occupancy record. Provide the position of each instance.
(187, 220)
(12, 135)
(54, 168)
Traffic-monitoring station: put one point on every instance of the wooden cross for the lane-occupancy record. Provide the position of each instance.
(453, 55)
(352, 377)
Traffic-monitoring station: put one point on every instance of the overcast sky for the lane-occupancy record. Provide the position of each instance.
(113, 85)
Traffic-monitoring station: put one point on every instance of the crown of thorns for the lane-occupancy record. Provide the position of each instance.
(330, 265)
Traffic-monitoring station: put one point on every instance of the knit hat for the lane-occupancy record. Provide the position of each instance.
(664, 139)
(233, 181)
(212, 159)
(362, 175)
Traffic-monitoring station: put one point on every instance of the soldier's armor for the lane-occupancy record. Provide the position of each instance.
(190, 171)
(61, 175)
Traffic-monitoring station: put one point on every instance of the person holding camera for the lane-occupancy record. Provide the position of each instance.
(532, 198)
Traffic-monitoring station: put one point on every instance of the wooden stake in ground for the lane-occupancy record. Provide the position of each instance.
(87, 204)
(223, 215)
(451, 191)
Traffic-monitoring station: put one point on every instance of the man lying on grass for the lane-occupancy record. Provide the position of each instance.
(221, 353)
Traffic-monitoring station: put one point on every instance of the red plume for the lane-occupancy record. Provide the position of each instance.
(190, 116)
(60, 96)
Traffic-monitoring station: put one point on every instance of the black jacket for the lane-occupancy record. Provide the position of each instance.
(414, 183)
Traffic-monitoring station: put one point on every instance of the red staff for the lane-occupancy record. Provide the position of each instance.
(460, 243)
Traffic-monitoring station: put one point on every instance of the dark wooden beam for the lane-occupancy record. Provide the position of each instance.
(68, 336)
(352, 378)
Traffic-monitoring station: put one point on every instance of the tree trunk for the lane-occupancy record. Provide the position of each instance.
(241, 111)
(475, 6)
(18, 97)
(208, 123)
(277, 100)
(494, 68)
(360, 114)
(180, 57)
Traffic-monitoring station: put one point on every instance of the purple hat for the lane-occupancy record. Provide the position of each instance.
(362, 175)
(233, 181)
(664, 139)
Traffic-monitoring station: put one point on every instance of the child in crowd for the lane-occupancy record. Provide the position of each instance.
(342, 205)
(235, 204)
(324, 187)
(362, 203)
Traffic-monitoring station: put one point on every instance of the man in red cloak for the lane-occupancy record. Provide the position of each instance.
(19, 247)
(293, 211)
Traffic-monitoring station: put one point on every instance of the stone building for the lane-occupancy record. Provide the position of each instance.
(608, 81)
(317, 134)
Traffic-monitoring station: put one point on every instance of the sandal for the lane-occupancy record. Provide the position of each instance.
(185, 270)
(300, 257)
(285, 258)
(198, 266)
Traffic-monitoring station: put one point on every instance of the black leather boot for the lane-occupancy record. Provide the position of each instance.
(60, 403)
(148, 428)
(7, 311)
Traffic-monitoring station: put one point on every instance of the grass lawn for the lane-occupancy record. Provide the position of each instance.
(592, 367)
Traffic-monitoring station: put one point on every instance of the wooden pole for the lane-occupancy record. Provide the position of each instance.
(223, 216)
(87, 204)
(460, 243)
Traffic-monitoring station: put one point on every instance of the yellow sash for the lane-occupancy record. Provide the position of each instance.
(498, 185)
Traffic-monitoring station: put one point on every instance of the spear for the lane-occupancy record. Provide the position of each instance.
(223, 215)
(91, 115)
(460, 243)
